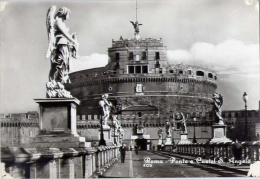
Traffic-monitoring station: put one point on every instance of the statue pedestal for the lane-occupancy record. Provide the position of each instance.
(115, 137)
(107, 135)
(160, 142)
(219, 134)
(168, 141)
(184, 139)
(58, 127)
(168, 144)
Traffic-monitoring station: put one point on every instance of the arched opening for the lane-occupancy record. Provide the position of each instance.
(141, 143)
(199, 73)
(139, 114)
(210, 75)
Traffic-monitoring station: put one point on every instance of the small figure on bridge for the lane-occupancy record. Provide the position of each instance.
(122, 150)
(136, 149)
(237, 152)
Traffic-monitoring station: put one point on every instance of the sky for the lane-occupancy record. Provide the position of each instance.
(218, 34)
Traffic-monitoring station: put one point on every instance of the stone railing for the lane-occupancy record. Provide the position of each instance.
(58, 163)
(251, 150)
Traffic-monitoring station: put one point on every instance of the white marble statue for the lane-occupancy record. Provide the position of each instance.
(168, 129)
(106, 107)
(160, 133)
(61, 48)
(115, 122)
(217, 103)
(183, 123)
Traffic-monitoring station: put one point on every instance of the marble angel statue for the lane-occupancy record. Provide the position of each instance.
(217, 103)
(61, 48)
(183, 123)
(106, 107)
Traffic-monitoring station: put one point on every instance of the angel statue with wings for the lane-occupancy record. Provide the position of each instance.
(217, 103)
(136, 26)
(106, 107)
(61, 48)
(183, 123)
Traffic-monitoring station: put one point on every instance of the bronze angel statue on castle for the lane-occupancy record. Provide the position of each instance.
(61, 48)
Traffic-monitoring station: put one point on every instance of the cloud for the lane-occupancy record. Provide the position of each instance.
(178, 56)
(2, 5)
(232, 57)
(95, 60)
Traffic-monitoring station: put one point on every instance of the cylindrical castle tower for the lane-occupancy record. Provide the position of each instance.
(140, 79)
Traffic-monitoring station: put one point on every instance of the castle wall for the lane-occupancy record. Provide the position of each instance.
(17, 129)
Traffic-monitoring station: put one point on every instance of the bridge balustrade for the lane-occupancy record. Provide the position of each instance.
(250, 150)
(58, 163)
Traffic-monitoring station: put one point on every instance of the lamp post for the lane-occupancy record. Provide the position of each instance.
(114, 135)
(102, 140)
(245, 99)
(173, 136)
(194, 134)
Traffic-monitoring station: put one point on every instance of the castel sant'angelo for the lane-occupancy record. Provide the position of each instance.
(147, 89)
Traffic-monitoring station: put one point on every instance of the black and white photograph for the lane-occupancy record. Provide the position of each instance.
(129, 89)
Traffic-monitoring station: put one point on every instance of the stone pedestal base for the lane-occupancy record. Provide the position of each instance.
(115, 137)
(137, 36)
(168, 141)
(107, 135)
(219, 134)
(160, 142)
(58, 128)
(184, 139)
(168, 147)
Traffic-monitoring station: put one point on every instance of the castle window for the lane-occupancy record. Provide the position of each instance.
(143, 55)
(138, 69)
(131, 69)
(145, 69)
(210, 75)
(181, 72)
(139, 114)
(160, 70)
(157, 55)
(171, 71)
(199, 73)
(117, 57)
(157, 64)
(215, 77)
(131, 55)
(189, 72)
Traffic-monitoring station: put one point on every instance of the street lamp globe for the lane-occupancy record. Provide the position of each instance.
(245, 97)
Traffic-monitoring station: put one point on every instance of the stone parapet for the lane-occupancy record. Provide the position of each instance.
(57, 163)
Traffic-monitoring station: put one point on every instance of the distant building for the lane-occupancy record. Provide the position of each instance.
(147, 89)
(18, 128)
